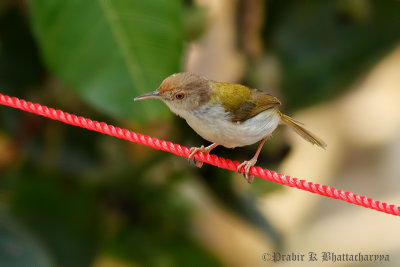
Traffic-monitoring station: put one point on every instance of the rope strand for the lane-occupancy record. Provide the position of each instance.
(176, 149)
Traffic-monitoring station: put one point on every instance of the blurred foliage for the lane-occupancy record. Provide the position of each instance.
(195, 22)
(70, 197)
(20, 64)
(323, 46)
(17, 247)
(57, 211)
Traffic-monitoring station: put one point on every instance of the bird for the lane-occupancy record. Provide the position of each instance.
(225, 114)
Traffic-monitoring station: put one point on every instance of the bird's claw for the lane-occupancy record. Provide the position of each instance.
(193, 152)
(247, 165)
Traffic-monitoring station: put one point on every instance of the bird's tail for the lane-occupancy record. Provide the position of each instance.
(310, 137)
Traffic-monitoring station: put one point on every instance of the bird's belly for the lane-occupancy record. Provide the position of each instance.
(215, 126)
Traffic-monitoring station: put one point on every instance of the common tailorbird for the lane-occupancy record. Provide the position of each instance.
(227, 114)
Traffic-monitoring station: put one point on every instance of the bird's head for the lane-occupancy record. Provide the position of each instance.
(182, 91)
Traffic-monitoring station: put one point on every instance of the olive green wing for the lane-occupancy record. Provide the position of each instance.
(258, 102)
(241, 101)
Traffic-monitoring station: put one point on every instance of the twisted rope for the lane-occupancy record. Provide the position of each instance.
(176, 149)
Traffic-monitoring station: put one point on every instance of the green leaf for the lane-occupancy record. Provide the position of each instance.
(110, 51)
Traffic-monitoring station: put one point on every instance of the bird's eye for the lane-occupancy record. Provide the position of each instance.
(179, 96)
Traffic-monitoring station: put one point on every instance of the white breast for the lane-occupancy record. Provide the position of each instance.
(213, 124)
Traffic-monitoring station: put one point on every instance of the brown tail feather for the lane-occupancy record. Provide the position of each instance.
(303, 132)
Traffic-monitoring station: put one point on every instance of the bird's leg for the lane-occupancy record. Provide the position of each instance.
(203, 149)
(248, 163)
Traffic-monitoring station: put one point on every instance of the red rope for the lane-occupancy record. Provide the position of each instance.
(203, 157)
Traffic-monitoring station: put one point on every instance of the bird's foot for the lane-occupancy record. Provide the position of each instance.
(247, 164)
(203, 149)
(193, 152)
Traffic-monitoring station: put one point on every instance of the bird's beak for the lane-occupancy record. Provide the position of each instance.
(154, 94)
